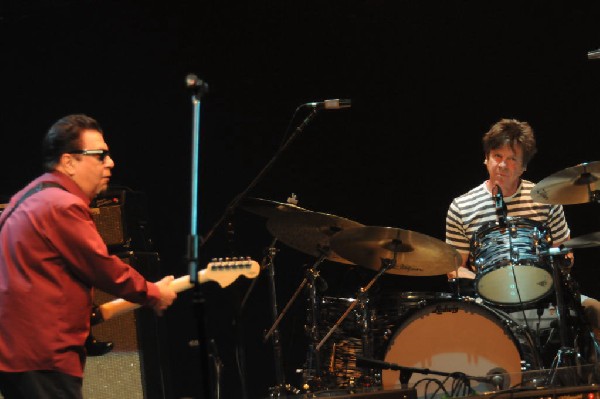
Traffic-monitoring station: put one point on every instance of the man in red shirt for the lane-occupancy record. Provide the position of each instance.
(51, 257)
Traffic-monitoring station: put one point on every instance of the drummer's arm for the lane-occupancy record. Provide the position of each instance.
(463, 270)
(567, 259)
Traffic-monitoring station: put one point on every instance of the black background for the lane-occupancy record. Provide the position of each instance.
(426, 79)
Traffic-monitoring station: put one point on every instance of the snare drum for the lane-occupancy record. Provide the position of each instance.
(510, 270)
(453, 335)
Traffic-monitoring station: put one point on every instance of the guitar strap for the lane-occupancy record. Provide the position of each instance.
(39, 187)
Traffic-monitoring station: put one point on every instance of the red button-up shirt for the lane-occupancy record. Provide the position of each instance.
(51, 255)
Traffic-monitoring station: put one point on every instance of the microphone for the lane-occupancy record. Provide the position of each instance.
(501, 210)
(331, 104)
(494, 377)
(593, 55)
(192, 82)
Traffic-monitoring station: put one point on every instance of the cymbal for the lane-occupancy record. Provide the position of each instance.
(416, 254)
(310, 232)
(584, 241)
(268, 208)
(568, 186)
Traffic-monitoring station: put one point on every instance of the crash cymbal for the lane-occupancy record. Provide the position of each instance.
(310, 232)
(268, 208)
(568, 186)
(416, 254)
(584, 241)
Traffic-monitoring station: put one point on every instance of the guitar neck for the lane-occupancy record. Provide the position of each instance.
(120, 306)
(222, 272)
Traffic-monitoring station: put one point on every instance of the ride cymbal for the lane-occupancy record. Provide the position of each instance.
(574, 185)
(416, 254)
(310, 232)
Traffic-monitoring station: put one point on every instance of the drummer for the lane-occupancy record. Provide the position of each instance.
(508, 146)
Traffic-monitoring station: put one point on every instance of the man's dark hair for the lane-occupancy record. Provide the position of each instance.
(64, 137)
(512, 132)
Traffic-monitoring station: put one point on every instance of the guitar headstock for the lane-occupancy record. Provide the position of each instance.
(225, 271)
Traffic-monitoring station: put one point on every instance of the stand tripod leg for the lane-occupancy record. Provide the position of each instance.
(576, 359)
(565, 358)
(314, 372)
(282, 387)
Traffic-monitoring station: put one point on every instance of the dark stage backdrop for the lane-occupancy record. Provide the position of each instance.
(426, 79)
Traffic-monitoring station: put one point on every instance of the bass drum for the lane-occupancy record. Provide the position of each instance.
(464, 337)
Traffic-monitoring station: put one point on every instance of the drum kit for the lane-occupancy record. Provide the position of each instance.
(464, 339)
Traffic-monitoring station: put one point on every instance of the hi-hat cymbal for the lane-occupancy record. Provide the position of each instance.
(568, 186)
(416, 254)
(584, 241)
(310, 232)
(268, 208)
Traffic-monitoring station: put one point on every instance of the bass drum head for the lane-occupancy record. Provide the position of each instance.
(454, 336)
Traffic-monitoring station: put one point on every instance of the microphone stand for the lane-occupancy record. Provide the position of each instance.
(199, 88)
(407, 372)
(277, 353)
(193, 240)
(234, 203)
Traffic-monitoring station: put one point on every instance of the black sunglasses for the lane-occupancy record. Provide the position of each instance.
(102, 154)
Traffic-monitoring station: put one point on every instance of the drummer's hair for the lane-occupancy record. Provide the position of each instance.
(511, 131)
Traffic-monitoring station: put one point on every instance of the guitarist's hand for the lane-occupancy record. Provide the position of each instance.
(167, 295)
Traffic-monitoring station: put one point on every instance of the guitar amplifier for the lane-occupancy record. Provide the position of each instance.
(121, 219)
(137, 366)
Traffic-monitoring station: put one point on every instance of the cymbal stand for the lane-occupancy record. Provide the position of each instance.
(281, 387)
(310, 279)
(386, 265)
(566, 354)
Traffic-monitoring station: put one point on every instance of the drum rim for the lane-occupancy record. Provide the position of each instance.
(522, 304)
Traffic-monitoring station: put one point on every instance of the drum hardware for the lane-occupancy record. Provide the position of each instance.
(281, 387)
(313, 361)
(308, 232)
(569, 354)
(368, 377)
(574, 185)
(362, 294)
(414, 254)
(338, 355)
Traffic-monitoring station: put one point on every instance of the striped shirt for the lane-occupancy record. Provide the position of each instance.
(477, 208)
